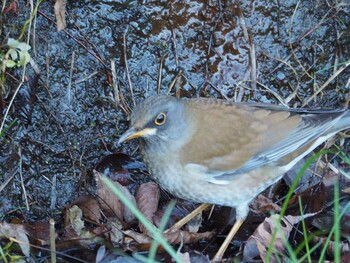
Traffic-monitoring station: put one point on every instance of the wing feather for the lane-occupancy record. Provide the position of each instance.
(254, 135)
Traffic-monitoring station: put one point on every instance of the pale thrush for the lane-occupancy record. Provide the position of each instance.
(219, 152)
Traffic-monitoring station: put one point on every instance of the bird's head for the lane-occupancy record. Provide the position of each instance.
(158, 119)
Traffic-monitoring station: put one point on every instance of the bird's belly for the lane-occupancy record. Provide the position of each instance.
(241, 190)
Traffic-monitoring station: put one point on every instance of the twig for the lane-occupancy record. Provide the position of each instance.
(7, 180)
(69, 88)
(52, 241)
(175, 47)
(21, 176)
(127, 68)
(218, 90)
(53, 192)
(171, 85)
(115, 84)
(160, 72)
(86, 78)
(253, 72)
(118, 97)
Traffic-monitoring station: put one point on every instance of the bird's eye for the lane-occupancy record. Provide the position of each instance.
(160, 119)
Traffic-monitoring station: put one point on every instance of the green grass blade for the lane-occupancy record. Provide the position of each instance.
(157, 235)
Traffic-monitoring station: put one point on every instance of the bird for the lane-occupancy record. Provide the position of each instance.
(214, 151)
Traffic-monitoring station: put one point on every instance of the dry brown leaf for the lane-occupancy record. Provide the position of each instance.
(89, 207)
(60, 14)
(138, 237)
(16, 232)
(110, 203)
(73, 221)
(128, 215)
(344, 246)
(116, 234)
(172, 238)
(187, 237)
(257, 244)
(75, 228)
(39, 231)
(262, 204)
(147, 201)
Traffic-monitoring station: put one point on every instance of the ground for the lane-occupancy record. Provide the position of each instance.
(67, 119)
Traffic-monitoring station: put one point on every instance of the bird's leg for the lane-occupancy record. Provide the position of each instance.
(187, 218)
(218, 256)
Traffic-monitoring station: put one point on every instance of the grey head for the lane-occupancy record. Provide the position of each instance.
(157, 120)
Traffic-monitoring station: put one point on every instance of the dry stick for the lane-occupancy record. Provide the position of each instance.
(21, 176)
(188, 81)
(127, 68)
(187, 218)
(86, 78)
(160, 72)
(347, 101)
(248, 37)
(115, 84)
(218, 90)
(8, 180)
(347, 63)
(69, 88)
(253, 71)
(53, 198)
(94, 48)
(175, 47)
(278, 97)
(52, 241)
(171, 85)
(119, 102)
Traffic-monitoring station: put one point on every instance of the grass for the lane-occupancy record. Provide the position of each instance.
(333, 235)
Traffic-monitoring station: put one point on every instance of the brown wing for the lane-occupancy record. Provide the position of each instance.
(227, 135)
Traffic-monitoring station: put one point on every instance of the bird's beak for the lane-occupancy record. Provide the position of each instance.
(132, 133)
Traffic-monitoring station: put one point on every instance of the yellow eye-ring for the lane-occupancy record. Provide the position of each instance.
(160, 119)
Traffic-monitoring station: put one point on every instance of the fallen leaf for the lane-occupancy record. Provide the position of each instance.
(110, 203)
(73, 220)
(39, 231)
(258, 243)
(89, 206)
(262, 204)
(344, 246)
(147, 199)
(176, 237)
(17, 233)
